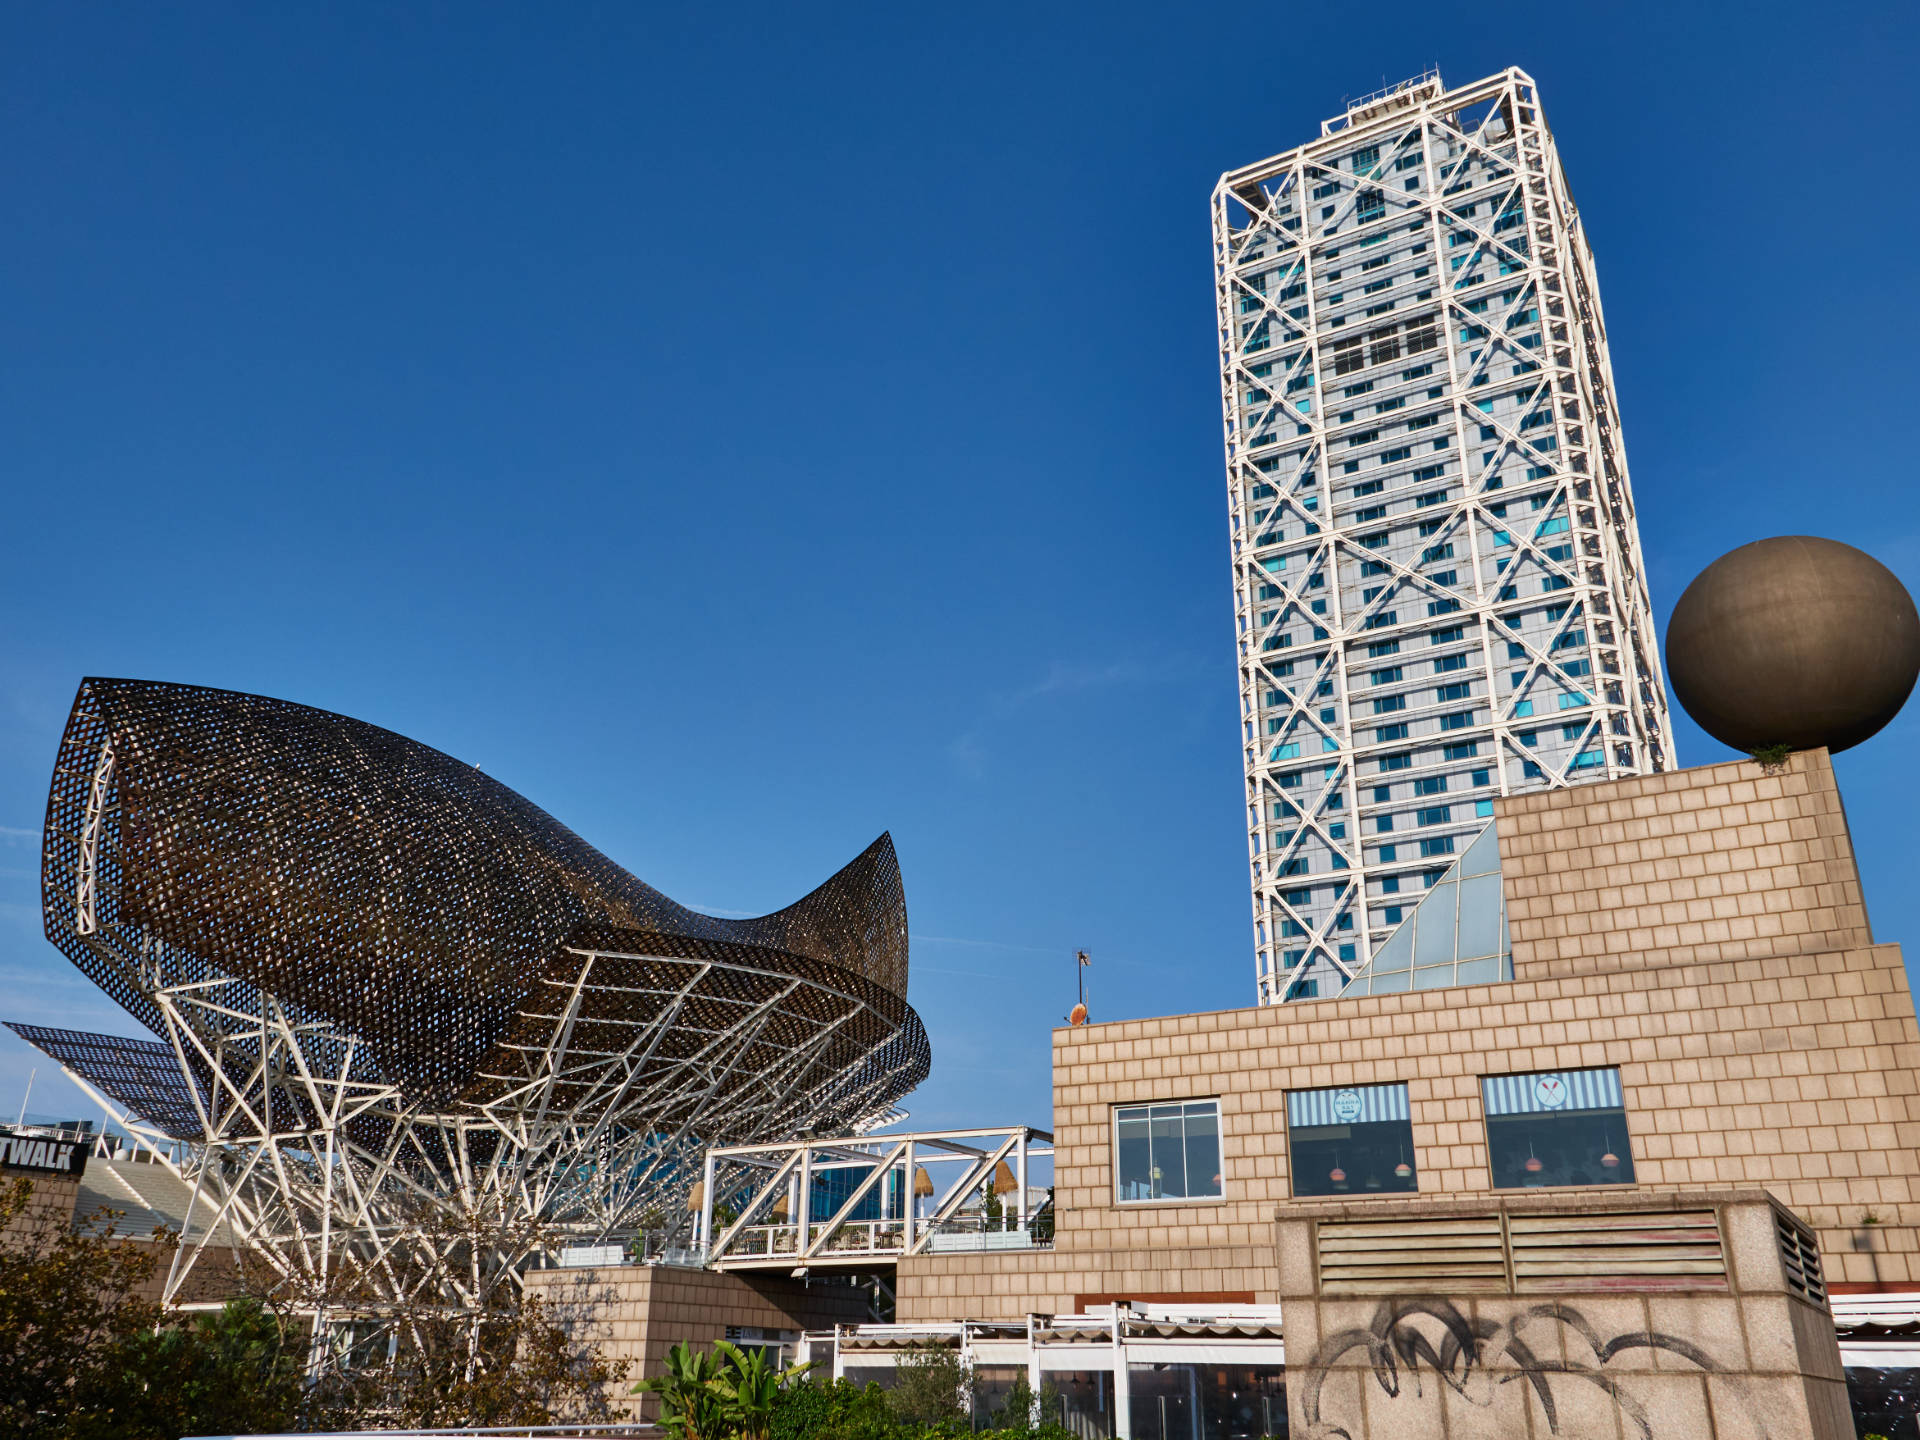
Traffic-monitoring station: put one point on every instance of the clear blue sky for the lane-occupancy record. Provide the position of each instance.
(746, 429)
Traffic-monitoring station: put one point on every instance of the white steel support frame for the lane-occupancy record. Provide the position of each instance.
(761, 1176)
(306, 1164)
(1458, 235)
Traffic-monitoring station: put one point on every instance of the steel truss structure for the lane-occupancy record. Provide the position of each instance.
(403, 1013)
(1438, 580)
(856, 1203)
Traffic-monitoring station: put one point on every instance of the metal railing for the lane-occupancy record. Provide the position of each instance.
(892, 1196)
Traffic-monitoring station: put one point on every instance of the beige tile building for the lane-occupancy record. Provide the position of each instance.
(1702, 931)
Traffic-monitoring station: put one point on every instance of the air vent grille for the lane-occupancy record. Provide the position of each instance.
(1637, 1250)
(1499, 1253)
(1453, 1255)
(1800, 1255)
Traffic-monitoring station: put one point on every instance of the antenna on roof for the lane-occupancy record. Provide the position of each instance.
(1078, 1015)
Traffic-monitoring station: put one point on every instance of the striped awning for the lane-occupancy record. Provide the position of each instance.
(1552, 1092)
(1347, 1105)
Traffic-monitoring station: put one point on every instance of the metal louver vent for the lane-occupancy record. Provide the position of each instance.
(1800, 1256)
(1499, 1253)
(1452, 1254)
(1635, 1250)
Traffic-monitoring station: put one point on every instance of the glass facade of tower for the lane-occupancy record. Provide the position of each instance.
(1439, 591)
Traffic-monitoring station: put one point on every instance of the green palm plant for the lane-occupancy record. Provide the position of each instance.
(752, 1389)
(693, 1406)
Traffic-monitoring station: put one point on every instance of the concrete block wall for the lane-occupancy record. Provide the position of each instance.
(1743, 1358)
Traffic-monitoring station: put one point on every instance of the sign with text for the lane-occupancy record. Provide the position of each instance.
(44, 1153)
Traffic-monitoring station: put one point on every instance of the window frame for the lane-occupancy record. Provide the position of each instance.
(1626, 1135)
(1287, 1129)
(1220, 1137)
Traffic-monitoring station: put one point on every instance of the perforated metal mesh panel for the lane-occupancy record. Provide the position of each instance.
(142, 1075)
(378, 885)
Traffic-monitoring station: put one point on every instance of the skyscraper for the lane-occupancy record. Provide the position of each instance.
(1438, 582)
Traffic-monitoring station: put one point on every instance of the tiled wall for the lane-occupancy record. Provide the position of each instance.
(1724, 862)
(1762, 1040)
(638, 1312)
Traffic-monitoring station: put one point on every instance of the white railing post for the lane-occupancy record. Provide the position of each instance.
(913, 1199)
(1020, 1177)
(802, 1213)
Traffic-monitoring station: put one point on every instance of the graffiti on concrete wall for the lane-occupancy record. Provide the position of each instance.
(1421, 1349)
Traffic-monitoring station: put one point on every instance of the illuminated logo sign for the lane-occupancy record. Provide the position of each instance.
(1346, 1106)
(47, 1154)
(1550, 1092)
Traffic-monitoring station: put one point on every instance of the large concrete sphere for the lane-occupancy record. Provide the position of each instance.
(1793, 641)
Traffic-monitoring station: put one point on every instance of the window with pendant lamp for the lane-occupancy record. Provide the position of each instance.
(1557, 1127)
(1350, 1140)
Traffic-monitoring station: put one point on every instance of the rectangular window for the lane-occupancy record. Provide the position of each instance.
(1356, 1140)
(1458, 691)
(1390, 704)
(1437, 815)
(1386, 677)
(1386, 734)
(1557, 1127)
(1442, 846)
(1167, 1152)
(1465, 751)
(1430, 785)
(1449, 662)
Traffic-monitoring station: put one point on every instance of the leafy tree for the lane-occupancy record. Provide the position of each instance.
(67, 1299)
(693, 1406)
(929, 1385)
(835, 1410)
(234, 1372)
(750, 1389)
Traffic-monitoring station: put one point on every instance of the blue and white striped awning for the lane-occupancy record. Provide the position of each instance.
(1552, 1092)
(1347, 1105)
